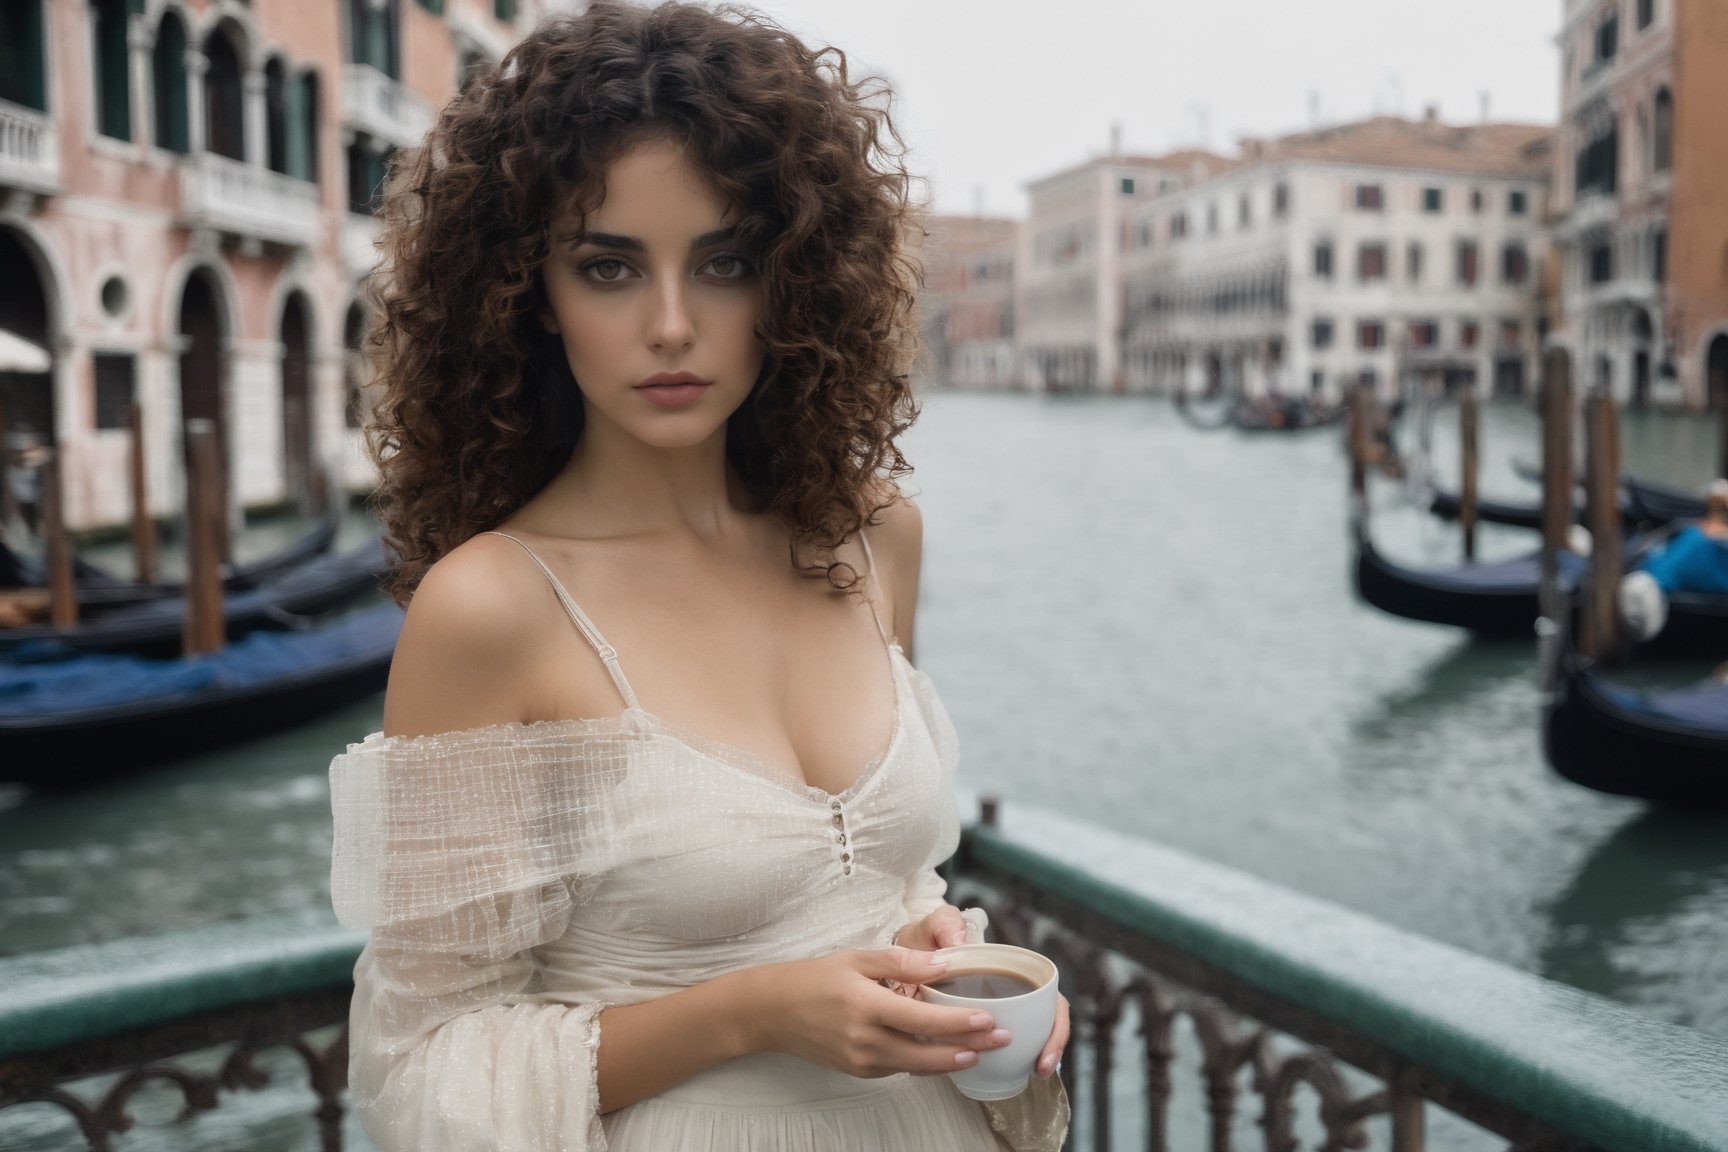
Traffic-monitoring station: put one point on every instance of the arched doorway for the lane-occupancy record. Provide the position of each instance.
(296, 400)
(1642, 336)
(26, 395)
(202, 370)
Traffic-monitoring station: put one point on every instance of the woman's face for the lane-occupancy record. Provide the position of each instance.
(655, 304)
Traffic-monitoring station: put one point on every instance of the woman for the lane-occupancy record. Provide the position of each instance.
(658, 786)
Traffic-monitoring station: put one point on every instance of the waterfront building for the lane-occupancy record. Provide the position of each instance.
(1069, 291)
(186, 190)
(1364, 251)
(967, 305)
(1638, 176)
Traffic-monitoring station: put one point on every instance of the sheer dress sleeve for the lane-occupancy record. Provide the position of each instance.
(460, 853)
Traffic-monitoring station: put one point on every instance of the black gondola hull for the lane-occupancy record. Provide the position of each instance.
(1501, 608)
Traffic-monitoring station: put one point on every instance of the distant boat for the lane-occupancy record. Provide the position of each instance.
(97, 590)
(1643, 504)
(154, 628)
(1670, 747)
(1268, 413)
(71, 722)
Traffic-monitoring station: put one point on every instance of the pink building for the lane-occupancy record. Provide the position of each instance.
(186, 190)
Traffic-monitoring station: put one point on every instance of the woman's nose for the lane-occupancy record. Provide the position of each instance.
(671, 326)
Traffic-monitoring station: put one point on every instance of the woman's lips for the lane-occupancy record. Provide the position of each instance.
(673, 389)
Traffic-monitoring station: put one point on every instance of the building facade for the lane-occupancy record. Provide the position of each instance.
(1069, 294)
(186, 189)
(1641, 214)
(967, 304)
(1365, 251)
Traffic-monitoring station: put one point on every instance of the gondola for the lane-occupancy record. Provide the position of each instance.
(1283, 414)
(1502, 598)
(1670, 747)
(1498, 599)
(98, 590)
(154, 628)
(68, 723)
(1642, 505)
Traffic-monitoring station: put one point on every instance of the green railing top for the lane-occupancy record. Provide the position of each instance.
(66, 995)
(1592, 1069)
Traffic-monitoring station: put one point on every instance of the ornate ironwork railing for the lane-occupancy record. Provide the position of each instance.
(1212, 1010)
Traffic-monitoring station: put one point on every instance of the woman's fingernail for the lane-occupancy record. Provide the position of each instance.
(981, 1020)
(1046, 1066)
(1000, 1037)
(966, 1058)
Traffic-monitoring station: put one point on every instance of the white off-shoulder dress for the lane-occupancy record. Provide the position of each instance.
(518, 879)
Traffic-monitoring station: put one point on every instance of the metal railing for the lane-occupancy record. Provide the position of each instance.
(1342, 1031)
(29, 149)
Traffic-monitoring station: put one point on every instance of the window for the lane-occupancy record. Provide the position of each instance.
(22, 53)
(1662, 152)
(506, 10)
(303, 127)
(1178, 225)
(1212, 219)
(373, 35)
(1370, 334)
(1475, 199)
(1281, 200)
(436, 7)
(1511, 333)
(1517, 202)
(1468, 261)
(1468, 334)
(1413, 261)
(168, 82)
(1601, 262)
(113, 74)
(1659, 256)
(1323, 259)
(1371, 261)
(1596, 165)
(1607, 39)
(1432, 200)
(1370, 197)
(1646, 13)
(1514, 263)
(1244, 212)
(115, 387)
(1424, 333)
(1127, 181)
(1322, 333)
(366, 166)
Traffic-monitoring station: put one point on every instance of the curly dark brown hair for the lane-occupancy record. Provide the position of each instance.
(477, 408)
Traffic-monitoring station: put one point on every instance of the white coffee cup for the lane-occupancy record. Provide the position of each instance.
(1001, 1072)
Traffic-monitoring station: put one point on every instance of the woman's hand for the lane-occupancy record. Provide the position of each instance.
(837, 1012)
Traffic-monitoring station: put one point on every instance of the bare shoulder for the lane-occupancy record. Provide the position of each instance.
(459, 663)
(897, 542)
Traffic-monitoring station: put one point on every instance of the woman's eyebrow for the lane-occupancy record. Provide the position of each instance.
(632, 244)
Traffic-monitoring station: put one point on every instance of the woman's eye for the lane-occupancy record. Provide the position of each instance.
(606, 270)
(728, 267)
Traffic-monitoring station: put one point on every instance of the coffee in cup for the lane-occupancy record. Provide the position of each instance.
(1018, 988)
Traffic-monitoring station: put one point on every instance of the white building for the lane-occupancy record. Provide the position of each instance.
(1354, 252)
(1069, 287)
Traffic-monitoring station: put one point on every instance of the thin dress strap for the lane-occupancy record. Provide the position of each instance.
(876, 588)
(608, 654)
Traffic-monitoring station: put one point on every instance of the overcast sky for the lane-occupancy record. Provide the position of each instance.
(993, 93)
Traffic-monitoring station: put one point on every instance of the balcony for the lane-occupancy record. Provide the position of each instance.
(250, 202)
(1249, 1004)
(359, 239)
(379, 106)
(29, 149)
(1591, 212)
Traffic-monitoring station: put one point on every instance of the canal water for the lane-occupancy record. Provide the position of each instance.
(1138, 623)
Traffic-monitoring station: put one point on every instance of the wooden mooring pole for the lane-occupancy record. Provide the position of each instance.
(1468, 431)
(62, 593)
(205, 631)
(1360, 427)
(1603, 637)
(1556, 475)
(143, 531)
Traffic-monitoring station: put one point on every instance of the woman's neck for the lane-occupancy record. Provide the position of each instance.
(616, 485)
